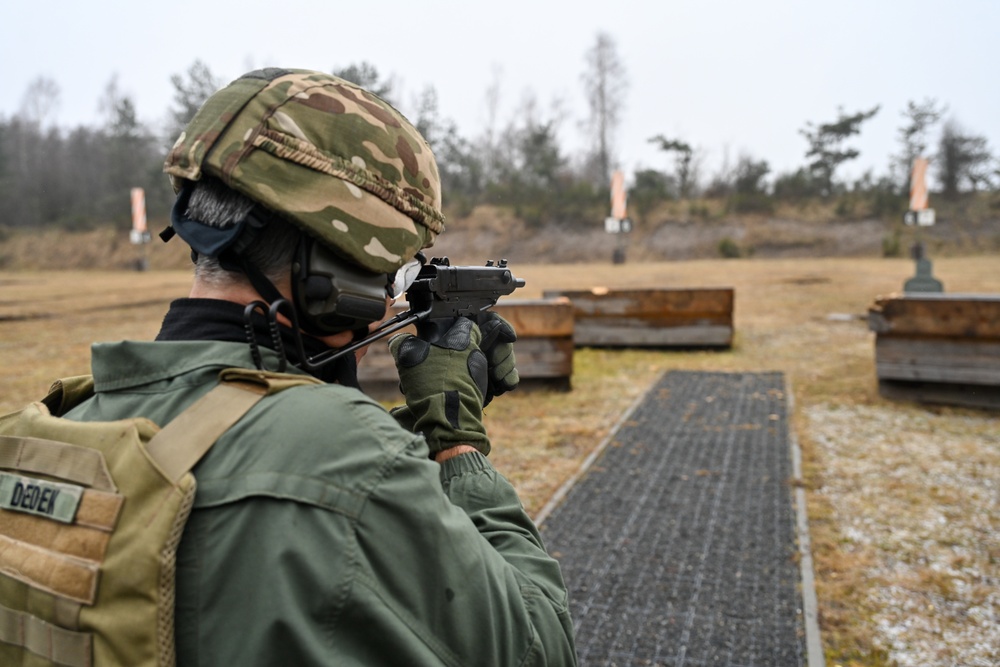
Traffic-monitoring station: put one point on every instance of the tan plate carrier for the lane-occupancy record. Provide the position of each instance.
(91, 514)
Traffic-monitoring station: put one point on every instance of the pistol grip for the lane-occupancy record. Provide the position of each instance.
(433, 330)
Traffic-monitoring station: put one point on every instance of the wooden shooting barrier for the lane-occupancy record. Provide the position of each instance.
(938, 348)
(683, 318)
(544, 347)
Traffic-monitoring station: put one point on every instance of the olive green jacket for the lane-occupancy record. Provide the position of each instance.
(322, 534)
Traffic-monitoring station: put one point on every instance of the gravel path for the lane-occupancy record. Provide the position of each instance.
(917, 498)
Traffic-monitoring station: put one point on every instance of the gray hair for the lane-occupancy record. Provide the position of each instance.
(215, 204)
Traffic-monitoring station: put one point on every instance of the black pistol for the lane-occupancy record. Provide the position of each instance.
(442, 293)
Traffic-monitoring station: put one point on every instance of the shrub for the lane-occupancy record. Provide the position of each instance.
(845, 206)
(891, 245)
(730, 249)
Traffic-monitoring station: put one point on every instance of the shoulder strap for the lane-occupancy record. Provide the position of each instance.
(181, 443)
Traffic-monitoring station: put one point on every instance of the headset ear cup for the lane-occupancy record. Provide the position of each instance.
(332, 295)
(310, 291)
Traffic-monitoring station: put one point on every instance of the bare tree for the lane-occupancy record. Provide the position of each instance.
(487, 144)
(605, 84)
(40, 101)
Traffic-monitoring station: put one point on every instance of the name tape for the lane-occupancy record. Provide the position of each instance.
(53, 500)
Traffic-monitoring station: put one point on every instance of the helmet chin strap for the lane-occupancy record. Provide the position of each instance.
(270, 294)
(226, 244)
(232, 261)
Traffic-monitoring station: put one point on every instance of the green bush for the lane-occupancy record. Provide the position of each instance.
(730, 249)
(845, 207)
(892, 245)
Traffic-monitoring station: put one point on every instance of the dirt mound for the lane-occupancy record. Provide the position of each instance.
(467, 241)
(491, 232)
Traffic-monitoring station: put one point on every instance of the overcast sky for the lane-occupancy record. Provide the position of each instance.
(742, 76)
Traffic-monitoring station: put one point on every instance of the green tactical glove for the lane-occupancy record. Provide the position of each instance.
(498, 346)
(444, 384)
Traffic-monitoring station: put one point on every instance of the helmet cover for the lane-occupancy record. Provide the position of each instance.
(323, 153)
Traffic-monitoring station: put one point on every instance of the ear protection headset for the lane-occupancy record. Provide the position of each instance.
(330, 294)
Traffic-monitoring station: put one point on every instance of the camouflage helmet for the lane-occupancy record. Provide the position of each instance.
(326, 155)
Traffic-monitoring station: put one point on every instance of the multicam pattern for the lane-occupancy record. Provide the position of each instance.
(325, 153)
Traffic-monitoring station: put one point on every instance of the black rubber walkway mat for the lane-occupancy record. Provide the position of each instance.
(678, 544)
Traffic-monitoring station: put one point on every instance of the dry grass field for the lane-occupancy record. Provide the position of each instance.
(902, 498)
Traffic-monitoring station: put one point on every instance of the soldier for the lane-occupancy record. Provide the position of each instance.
(323, 532)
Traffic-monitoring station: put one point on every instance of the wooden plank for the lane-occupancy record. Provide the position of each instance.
(971, 396)
(696, 302)
(538, 318)
(544, 357)
(599, 334)
(938, 360)
(938, 348)
(951, 315)
(699, 317)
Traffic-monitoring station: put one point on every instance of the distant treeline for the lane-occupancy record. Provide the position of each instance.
(81, 178)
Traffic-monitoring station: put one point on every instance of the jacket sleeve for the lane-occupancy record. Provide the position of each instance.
(489, 500)
(475, 582)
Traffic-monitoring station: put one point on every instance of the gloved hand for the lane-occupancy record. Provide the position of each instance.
(444, 384)
(498, 346)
